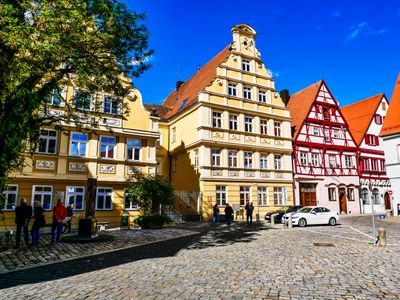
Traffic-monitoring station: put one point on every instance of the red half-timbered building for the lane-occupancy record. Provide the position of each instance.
(365, 119)
(324, 152)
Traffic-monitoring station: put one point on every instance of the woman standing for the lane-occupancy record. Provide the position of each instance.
(38, 220)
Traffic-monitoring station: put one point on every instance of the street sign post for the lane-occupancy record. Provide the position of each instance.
(373, 214)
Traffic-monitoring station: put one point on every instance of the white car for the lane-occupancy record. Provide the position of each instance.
(312, 215)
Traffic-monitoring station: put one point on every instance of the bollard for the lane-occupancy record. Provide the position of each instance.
(290, 222)
(272, 220)
(257, 218)
(382, 237)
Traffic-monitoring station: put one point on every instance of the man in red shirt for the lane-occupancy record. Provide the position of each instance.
(59, 214)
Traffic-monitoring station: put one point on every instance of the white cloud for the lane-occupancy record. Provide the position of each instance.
(145, 60)
(363, 29)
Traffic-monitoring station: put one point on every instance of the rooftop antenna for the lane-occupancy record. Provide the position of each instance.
(178, 75)
(198, 67)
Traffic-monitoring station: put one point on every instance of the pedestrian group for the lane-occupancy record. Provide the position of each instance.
(249, 208)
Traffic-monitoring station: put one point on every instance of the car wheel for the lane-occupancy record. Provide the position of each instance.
(302, 223)
(332, 221)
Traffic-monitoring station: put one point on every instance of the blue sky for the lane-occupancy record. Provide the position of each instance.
(353, 45)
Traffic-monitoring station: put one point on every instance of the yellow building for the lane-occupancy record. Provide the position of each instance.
(67, 158)
(226, 134)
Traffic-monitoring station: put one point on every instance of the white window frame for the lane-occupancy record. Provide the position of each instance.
(314, 159)
(220, 194)
(262, 96)
(173, 135)
(245, 192)
(79, 143)
(336, 134)
(350, 194)
(262, 195)
(247, 92)
(279, 195)
(216, 157)
(217, 119)
(375, 196)
(113, 100)
(232, 89)
(132, 207)
(7, 193)
(196, 157)
(107, 146)
(48, 138)
(74, 194)
(332, 160)
(104, 195)
(248, 124)
(135, 149)
(55, 94)
(232, 158)
(303, 158)
(248, 159)
(278, 129)
(315, 130)
(331, 194)
(233, 122)
(245, 65)
(264, 127)
(91, 103)
(277, 162)
(263, 161)
(365, 197)
(348, 162)
(327, 136)
(43, 193)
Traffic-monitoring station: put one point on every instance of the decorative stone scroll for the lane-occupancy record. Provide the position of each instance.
(107, 169)
(218, 134)
(234, 173)
(216, 173)
(249, 174)
(234, 137)
(265, 175)
(112, 122)
(265, 141)
(77, 167)
(130, 170)
(278, 175)
(45, 165)
(250, 139)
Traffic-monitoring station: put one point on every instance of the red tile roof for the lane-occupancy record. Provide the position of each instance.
(359, 116)
(300, 104)
(391, 124)
(191, 88)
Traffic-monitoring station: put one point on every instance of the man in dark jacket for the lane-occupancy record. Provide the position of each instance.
(23, 214)
(249, 213)
(70, 214)
(228, 214)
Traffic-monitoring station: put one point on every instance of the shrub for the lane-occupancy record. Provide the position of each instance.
(152, 221)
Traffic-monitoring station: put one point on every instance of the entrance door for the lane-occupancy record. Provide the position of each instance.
(308, 194)
(342, 200)
(387, 201)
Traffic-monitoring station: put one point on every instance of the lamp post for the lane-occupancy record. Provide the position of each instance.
(372, 210)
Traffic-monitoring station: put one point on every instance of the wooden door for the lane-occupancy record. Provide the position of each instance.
(387, 201)
(342, 200)
(308, 194)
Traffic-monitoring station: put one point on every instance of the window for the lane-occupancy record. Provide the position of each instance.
(196, 157)
(315, 130)
(83, 100)
(216, 157)
(332, 161)
(365, 196)
(333, 111)
(325, 112)
(314, 159)
(56, 96)
(232, 89)
(182, 104)
(78, 144)
(217, 123)
(107, 145)
(277, 162)
(245, 65)
(248, 160)
(262, 196)
(332, 194)
(174, 164)
(244, 195)
(173, 135)
(220, 194)
(371, 139)
(277, 128)
(75, 195)
(262, 97)
(336, 133)
(47, 141)
(160, 140)
(383, 105)
(247, 92)
(111, 105)
(327, 135)
(248, 124)
(104, 198)
(350, 194)
(10, 197)
(129, 204)
(44, 195)
(365, 164)
(374, 165)
(378, 119)
(263, 161)
(303, 158)
(375, 196)
(264, 127)
(232, 158)
(348, 161)
(233, 122)
(279, 196)
(134, 148)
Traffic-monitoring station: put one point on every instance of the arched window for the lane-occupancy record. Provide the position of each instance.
(375, 196)
(365, 196)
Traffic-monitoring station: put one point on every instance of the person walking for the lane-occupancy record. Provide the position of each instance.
(59, 214)
(228, 214)
(216, 213)
(249, 213)
(23, 214)
(38, 221)
(70, 214)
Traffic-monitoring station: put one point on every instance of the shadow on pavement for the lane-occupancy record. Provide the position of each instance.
(206, 236)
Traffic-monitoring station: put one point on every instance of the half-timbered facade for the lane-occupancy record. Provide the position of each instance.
(365, 119)
(324, 152)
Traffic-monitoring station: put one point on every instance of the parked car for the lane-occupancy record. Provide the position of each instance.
(278, 214)
(313, 215)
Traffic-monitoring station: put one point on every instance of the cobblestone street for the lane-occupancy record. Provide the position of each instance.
(225, 262)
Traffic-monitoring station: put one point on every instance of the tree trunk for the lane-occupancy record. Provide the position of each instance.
(90, 197)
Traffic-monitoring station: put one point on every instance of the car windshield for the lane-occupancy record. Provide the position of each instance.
(305, 210)
(293, 209)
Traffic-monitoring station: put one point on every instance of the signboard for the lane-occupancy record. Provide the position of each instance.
(390, 192)
(236, 207)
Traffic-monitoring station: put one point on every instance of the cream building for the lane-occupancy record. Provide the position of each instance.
(227, 134)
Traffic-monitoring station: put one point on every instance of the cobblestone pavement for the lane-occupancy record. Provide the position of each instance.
(45, 252)
(233, 262)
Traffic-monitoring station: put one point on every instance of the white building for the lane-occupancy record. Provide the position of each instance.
(390, 134)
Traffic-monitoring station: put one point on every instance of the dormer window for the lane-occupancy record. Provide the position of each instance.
(378, 119)
(182, 104)
(246, 65)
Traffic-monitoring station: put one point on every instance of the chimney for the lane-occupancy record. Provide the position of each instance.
(285, 96)
(178, 84)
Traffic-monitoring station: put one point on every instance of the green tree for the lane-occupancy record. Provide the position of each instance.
(149, 192)
(90, 43)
